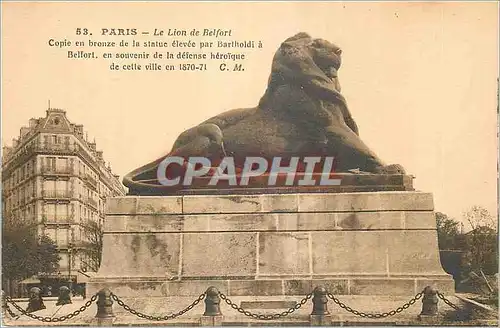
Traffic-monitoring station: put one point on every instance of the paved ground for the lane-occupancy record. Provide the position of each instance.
(160, 306)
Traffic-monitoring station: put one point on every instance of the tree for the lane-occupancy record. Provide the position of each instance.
(482, 240)
(451, 244)
(478, 216)
(47, 255)
(448, 231)
(24, 254)
(92, 245)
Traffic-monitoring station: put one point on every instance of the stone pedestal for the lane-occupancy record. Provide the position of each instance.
(363, 243)
(320, 320)
(211, 321)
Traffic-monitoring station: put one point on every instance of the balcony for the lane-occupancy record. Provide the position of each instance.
(90, 181)
(57, 148)
(58, 220)
(91, 202)
(57, 194)
(50, 170)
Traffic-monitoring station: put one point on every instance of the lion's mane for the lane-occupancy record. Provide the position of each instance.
(299, 88)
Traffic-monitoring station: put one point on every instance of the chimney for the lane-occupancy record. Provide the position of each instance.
(79, 129)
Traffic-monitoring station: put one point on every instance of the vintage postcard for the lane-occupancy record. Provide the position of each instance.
(249, 163)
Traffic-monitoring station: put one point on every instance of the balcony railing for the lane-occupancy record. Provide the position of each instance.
(91, 202)
(50, 170)
(57, 194)
(58, 219)
(90, 180)
(58, 148)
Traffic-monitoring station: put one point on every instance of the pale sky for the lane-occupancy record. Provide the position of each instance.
(420, 80)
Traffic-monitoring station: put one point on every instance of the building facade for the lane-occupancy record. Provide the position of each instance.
(54, 178)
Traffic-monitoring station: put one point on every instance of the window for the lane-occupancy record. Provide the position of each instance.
(51, 162)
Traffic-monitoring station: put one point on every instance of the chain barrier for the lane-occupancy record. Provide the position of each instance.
(157, 318)
(447, 301)
(50, 319)
(376, 315)
(260, 316)
(228, 301)
(11, 313)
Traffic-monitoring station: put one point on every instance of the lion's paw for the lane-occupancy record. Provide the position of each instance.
(391, 169)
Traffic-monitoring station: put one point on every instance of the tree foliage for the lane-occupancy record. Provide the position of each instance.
(479, 217)
(448, 231)
(479, 246)
(24, 254)
(482, 241)
(92, 245)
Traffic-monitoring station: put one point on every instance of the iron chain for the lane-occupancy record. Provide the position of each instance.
(158, 318)
(441, 296)
(9, 310)
(50, 319)
(376, 315)
(260, 316)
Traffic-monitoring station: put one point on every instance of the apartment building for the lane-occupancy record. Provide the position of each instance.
(53, 177)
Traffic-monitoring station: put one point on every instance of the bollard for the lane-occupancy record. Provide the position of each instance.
(104, 315)
(64, 296)
(429, 305)
(212, 315)
(35, 302)
(320, 315)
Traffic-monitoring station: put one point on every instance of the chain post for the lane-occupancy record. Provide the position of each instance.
(320, 316)
(35, 302)
(48, 319)
(104, 315)
(212, 315)
(64, 296)
(429, 305)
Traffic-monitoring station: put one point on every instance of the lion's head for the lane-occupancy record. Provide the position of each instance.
(311, 64)
(304, 85)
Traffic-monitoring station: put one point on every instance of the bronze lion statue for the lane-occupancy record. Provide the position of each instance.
(302, 113)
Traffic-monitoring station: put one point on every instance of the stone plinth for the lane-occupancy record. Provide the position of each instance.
(365, 243)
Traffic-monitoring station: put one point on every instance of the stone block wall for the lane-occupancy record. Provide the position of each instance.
(366, 243)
